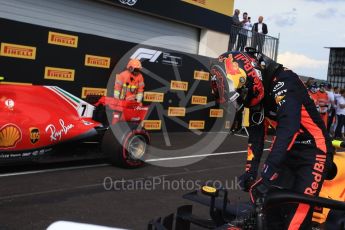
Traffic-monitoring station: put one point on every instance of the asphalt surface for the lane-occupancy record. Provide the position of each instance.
(97, 193)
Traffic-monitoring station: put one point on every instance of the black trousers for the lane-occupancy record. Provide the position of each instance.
(303, 172)
(340, 124)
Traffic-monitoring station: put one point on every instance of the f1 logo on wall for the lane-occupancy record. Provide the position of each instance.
(153, 55)
(128, 2)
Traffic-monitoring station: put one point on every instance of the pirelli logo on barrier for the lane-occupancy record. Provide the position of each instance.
(62, 39)
(227, 124)
(179, 85)
(54, 73)
(14, 83)
(216, 113)
(199, 100)
(196, 124)
(18, 51)
(97, 61)
(152, 124)
(153, 97)
(176, 111)
(93, 91)
(201, 75)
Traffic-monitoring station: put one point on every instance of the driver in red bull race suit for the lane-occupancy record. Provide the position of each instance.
(301, 152)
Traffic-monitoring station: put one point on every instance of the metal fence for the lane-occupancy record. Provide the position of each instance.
(241, 38)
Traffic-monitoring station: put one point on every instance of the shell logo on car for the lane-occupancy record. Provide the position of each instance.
(216, 113)
(18, 51)
(199, 100)
(97, 61)
(10, 135)
(152, 124)
(93, 91)
(196, 124)
(59, 74)
(201, 75)
(153, 97)
(176, 112)
(62, 39)
(179, 85)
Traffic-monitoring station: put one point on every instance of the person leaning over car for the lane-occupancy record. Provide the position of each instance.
(129, 84)
(301, 153)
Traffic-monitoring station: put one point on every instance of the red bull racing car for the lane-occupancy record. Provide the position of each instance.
(36, 121)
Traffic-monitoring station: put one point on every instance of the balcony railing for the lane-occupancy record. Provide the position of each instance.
(241, 38)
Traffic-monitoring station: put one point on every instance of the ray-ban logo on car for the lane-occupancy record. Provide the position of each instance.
(57, 133)
(143, 53)
(128, 2)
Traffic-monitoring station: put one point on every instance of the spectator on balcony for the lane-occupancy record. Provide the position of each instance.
(243, 34)
(260, 30)
(235, 28)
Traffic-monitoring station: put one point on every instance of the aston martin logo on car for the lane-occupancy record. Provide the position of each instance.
(56, 134)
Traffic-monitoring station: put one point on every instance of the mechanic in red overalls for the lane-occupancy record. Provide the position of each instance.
(129, 84)
(323, 102)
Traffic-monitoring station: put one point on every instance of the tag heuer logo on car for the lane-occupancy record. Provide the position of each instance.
(34, 135)
(216, 113)
(18, 51)
(62, 39)
(97, 61)
(201, 75)
(199, 100)
(54, 73)
(179, 85)
(153, 97)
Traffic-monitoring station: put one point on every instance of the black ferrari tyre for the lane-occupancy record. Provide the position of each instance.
(125, 144)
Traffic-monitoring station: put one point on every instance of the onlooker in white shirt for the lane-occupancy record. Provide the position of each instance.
(340, 115)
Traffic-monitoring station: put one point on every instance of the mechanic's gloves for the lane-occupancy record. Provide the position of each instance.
(263, 185)
(247, 179)
(259, 189)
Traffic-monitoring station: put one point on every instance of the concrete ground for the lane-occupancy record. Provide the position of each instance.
(92, 191)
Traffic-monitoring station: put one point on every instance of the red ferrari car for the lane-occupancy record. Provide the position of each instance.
(39, 120)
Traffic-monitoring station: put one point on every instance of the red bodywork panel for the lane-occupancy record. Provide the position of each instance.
(34, 117)
(130, 111)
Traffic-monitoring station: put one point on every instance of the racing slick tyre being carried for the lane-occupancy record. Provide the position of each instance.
(125, 144)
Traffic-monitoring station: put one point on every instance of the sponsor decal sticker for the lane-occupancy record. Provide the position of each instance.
(57, 133)
(278, 86)
(279, 99)
(201, 75)
(153, 97)
(179, 85)
(54, 73)
(10, 135)
(227, 124)
(34, 135)
(14, 83)
(196, 124)
(176, 112)
(216, 113)
(93, 91)
(128, 2)
(152, 124)
(199, 100)
(62, 39)
(18, 51)
(97, 61)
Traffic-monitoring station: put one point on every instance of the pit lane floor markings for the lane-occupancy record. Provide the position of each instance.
(186, 172)
(104, 165)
